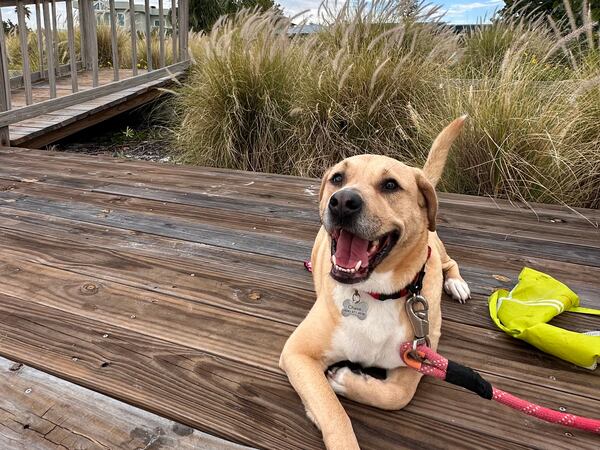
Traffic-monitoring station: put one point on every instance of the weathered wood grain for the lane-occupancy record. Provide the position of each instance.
(261, 408)
(113, 278)
(39, 411)
(69, 292)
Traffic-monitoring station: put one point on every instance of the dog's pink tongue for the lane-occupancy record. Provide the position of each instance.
(350, 249)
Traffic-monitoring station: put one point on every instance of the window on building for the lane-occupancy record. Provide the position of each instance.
(157, 23)
(121, 19)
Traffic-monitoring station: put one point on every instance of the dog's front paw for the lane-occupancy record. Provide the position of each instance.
(458, 289)
(336, 377)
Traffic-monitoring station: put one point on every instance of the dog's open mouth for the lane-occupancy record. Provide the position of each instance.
(354, 258)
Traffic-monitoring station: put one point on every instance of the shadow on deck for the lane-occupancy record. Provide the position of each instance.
(173, 289)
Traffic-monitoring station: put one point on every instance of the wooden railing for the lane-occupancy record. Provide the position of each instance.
(84, 14)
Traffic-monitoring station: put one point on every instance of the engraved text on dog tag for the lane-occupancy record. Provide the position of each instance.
(355, 307)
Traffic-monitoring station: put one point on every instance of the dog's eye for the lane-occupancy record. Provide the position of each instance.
(390, 185)
(337, 178)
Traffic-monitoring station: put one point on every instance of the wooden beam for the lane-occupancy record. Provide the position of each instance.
(49, 50)
(148, 35)
(23, 38)
(113, 39)
(4, 75)
(71, 39)
(161, 33)
(40, 40)
(133, 32)
(19, 114)
(174, 29)
(92, 38)
(55, 37)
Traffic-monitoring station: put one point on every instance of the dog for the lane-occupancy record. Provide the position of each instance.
(378, 232)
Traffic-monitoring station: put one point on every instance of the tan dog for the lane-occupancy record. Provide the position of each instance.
(379, 217)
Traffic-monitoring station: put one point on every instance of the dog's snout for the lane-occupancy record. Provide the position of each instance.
(345, 204)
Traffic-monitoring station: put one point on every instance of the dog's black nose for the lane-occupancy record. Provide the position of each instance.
(345, 204)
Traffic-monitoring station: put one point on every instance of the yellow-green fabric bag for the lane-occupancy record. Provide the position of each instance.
(536, 299)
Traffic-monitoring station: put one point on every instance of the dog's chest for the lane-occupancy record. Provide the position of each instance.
(372, 342)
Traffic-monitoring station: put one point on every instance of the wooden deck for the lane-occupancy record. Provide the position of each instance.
(172, 289)
(48, 128)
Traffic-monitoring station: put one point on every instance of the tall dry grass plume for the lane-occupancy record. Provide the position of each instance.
(383, 78)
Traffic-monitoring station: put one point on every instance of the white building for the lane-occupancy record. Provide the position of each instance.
(102, 10)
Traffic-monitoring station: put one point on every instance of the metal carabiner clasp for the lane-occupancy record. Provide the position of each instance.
(417, 309)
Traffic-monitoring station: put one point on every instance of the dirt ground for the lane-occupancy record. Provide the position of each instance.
(143, 134)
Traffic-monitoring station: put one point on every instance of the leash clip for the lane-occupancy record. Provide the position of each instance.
(417, 309)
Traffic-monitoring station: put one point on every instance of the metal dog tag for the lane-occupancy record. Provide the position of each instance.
(355, 307)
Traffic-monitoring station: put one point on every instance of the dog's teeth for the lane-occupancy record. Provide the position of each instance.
(333, 260)
(358, 264)
(352, 270)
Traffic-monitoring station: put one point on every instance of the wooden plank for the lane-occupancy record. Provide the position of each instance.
(19, 249)
(49, 53)
(161, 33)
(71, 42)
(40, 411)
(475, 239)
(113, 39)
(148, 35)
(23, 39)
(213, 393)
(276, 299)
(17, 115)
(133, 32)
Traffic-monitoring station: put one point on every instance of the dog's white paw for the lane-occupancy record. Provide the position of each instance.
(336, 377)
(458, 289)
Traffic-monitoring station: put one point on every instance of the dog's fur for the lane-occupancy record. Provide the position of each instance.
(326, 337)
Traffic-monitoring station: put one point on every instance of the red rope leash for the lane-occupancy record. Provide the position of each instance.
(433, 364)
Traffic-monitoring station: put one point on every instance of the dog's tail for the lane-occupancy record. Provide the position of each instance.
(436, 160)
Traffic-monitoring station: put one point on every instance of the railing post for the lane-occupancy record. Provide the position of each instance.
(148, 34)
(183, 29)
(133, 31)
(71, 39)
(4, 88)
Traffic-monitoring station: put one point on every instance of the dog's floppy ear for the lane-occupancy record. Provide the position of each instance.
(436, 160)
(323, 182)
(431, 201)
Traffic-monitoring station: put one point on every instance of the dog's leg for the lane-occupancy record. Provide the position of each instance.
(395, 392)
(322, 406)
(454, 285)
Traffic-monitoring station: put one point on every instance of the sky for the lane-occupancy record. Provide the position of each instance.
(456, 11)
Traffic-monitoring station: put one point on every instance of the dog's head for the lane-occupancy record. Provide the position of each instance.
(374, 205)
